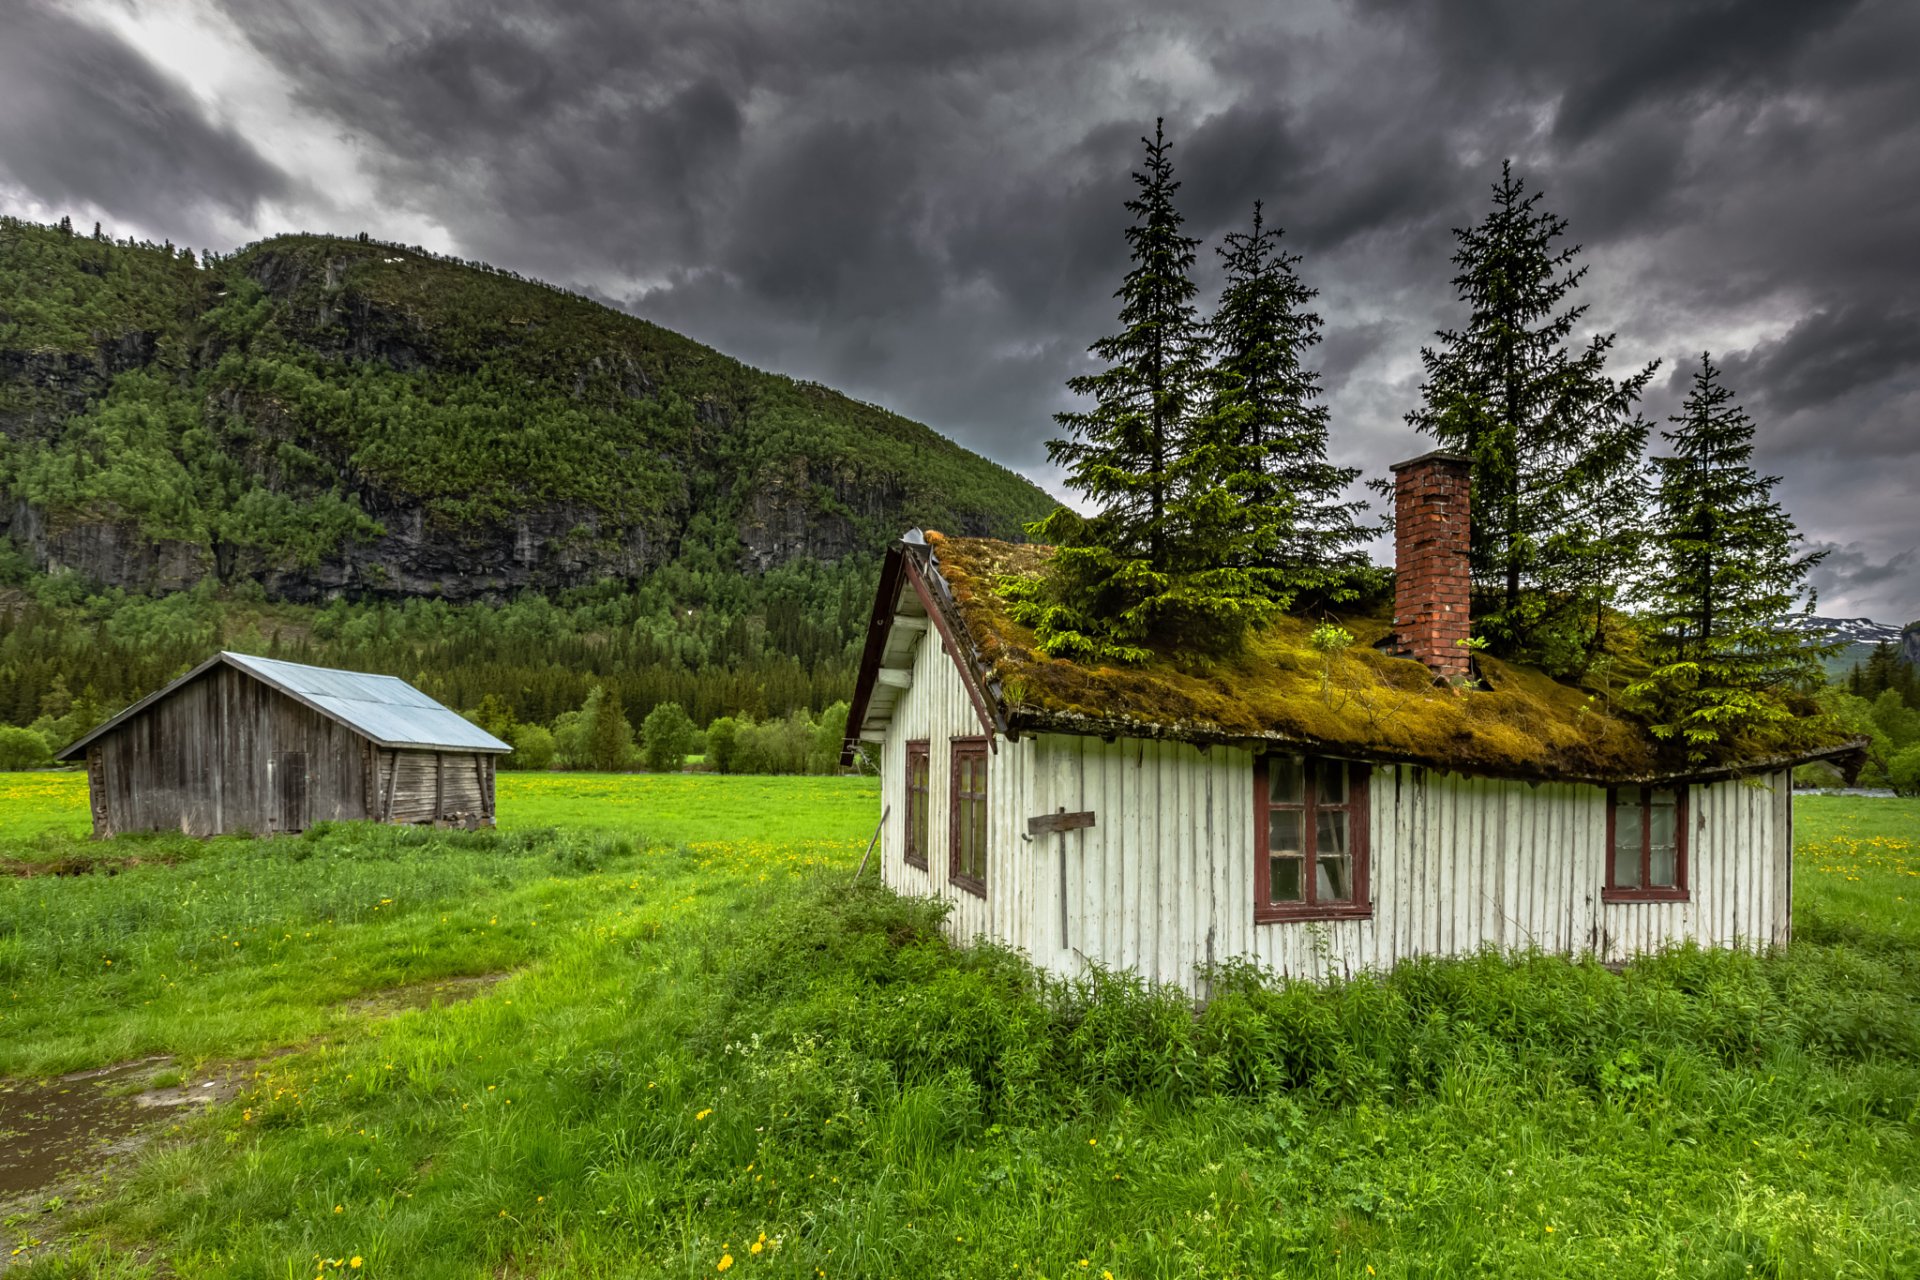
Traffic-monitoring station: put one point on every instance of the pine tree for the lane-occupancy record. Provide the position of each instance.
(1263, 402)
(1124, 578)
(1723, 583)
(1555, 442)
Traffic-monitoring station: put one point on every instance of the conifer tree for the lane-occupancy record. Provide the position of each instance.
(1555, 441)
(1723, 582)
(1139, 569)
(1264, 403)
(1119, 452)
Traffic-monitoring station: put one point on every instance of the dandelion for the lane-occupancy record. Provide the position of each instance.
(354, 1262)
(726, 1260)
(339, 1209)
(704, 1114)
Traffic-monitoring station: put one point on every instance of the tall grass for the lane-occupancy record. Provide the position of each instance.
(719, 1046)
(821, 1068)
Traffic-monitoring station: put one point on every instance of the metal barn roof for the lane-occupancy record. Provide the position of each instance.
(385, 709)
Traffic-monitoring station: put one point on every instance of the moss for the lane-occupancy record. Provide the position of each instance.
(1358, 701)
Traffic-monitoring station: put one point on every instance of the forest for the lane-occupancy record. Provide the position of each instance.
(572, 524)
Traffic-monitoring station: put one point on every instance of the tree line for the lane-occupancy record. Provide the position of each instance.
(1203, 450)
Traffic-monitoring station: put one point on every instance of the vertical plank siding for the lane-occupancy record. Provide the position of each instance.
(214, 758)
(936, 708)
(1163, 883)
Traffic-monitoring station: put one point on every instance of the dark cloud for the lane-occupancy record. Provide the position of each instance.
(1849, 575)
(86, 120)
(921, 204)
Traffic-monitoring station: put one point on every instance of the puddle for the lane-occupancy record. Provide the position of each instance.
(425, 995)
(53, 1130)
(50, 1129)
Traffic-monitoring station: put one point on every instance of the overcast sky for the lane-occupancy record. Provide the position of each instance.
(919, 204)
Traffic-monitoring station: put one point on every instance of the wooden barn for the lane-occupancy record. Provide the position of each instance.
(1308, 810)
(244, 744)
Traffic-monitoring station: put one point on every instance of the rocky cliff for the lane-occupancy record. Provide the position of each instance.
(334, 417)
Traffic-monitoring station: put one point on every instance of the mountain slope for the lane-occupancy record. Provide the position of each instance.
(329, 416)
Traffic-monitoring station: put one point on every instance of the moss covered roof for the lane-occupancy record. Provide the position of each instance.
(1358, 702)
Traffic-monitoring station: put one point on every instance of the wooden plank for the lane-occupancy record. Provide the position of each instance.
(1060, 820)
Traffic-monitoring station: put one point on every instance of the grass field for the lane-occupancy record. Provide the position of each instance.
(710, 1056)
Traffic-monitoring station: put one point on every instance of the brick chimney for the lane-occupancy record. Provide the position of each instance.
(1431, 507)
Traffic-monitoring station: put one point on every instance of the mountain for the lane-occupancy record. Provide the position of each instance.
(330, 417)
(1860, 636)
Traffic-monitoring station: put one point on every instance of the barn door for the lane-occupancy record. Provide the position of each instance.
(97, 793)
(290, 789)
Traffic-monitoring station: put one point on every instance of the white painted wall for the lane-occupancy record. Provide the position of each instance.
(1163, 883)
(935, 707)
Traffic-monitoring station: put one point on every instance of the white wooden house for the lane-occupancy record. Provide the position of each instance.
(1315, 813)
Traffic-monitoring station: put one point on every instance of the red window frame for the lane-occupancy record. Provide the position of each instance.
(1265, 910)
(967, 808)
(919, 834)
(1646, 891)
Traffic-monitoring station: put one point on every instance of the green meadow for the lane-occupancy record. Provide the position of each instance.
(699, 1049)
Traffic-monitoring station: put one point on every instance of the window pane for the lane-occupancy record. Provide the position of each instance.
(1285, 781)
(1334, 852)
(1336, 879)
(1334, 833)
(1284, 834)
(1330, 782)
(1286, 880)
(1664, 819)
(1626, 867)
(1664, 871)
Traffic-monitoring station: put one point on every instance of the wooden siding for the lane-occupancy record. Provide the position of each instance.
(226, 753)
(1163, 882)
(936, 707)
(446, 786)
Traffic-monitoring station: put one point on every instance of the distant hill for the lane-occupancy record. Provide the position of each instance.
(329, 417)
(1861, 635)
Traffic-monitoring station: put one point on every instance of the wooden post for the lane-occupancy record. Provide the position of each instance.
(1061, 821)
(393, 783)
(439, 788)
(876, 840)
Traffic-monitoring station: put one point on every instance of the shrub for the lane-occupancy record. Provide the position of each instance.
(666, 737)
(22, 749)
(1903, 771)
(533, 747)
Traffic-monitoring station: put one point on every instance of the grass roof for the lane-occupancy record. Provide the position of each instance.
(1357, 702)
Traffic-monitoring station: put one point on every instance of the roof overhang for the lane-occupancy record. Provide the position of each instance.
(911, 603)
(1848, 756)
(79, 745)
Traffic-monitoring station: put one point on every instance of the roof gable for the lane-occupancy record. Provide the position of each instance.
(384, 709)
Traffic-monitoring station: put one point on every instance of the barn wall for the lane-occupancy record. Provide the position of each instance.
(1163, 883)
(455, 786)
(261, 722)
(200, 760)
(936, 707)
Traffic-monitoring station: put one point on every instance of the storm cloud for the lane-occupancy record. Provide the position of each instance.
(921, 204)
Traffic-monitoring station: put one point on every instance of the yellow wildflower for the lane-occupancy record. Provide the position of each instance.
(726, 1260)
(704, 1114)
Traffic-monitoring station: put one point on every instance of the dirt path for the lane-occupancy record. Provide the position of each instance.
(58, 1134)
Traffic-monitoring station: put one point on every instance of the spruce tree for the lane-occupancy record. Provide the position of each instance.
(1724, 578)
(1125, 577)
(1264, 403)
(1555, 441)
